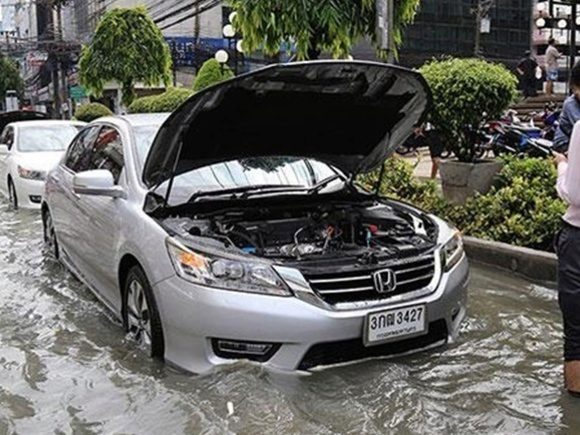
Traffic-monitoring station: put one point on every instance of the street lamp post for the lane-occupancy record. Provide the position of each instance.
(230, 33)
(570, 23)
(234, 42)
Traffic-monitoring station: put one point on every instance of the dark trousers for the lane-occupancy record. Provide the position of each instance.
(529, 86)
(568, 249)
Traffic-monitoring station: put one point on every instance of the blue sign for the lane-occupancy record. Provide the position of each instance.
(185, 52)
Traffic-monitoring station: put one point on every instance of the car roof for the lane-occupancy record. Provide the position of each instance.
(143, 119)
(45, 123)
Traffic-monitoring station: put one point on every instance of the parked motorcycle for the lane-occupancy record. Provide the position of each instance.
(519, 140)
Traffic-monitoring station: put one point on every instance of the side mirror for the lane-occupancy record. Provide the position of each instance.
(3, 149)
(99, 182)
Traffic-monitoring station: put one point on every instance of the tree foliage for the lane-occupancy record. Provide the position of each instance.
(91, 111)
(10, 78)
(464, 92)
(314, 26)
(210, 73)
(128, 48)
(168, 101)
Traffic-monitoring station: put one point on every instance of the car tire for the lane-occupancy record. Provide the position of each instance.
(12, 197)
(141, 318)
(50, 240)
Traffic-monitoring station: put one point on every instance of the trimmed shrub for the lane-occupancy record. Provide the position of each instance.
(91, 111)
(522, 208)
(210, 73)
(464, 91)
(168, 101)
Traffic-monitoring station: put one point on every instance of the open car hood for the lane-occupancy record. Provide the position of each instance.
(17, 116)
(349, 114)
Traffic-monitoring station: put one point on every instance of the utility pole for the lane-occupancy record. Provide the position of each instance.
(63, 78)
(55, 63)
(481, 11)
(385, 26)
(573, 17)
(196, 36)
(197, 25)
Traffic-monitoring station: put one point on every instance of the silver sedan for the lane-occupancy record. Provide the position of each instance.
(234, 227)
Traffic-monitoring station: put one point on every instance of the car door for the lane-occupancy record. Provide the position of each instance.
(7, 138)
(101, 220)
(63, 204)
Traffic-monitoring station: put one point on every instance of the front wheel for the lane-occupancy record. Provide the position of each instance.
(50, 235)
(140, 315)
(12, 197)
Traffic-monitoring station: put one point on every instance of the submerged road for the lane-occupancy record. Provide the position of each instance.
(67, 367)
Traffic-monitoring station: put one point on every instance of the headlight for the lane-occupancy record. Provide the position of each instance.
(223, 273)
(30, 174)
(452, 251)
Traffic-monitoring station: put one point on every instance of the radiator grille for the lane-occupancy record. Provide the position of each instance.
(356, 286)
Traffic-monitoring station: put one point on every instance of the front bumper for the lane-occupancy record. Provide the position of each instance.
(307, 335)
(29, 192)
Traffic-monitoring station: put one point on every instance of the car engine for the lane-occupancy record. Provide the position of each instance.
(371, 233)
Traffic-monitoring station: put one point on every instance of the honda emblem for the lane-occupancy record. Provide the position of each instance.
(385, 281)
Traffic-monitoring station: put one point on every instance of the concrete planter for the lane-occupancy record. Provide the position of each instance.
(461, 180)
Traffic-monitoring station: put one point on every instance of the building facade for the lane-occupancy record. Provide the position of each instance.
(448, 27)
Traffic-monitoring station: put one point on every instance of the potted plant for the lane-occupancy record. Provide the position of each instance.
(465, 91)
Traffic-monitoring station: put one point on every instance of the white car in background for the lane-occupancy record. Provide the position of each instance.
(28, 150)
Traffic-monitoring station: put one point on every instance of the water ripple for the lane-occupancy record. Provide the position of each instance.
(67, 367)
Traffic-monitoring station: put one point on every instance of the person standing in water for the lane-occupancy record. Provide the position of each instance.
(567, 246)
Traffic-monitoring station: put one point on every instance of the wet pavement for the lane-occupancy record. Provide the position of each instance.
(66, 367)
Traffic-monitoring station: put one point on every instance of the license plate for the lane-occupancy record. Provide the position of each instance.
(393, 325)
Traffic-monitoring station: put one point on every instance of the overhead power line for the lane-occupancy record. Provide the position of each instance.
(211, 5)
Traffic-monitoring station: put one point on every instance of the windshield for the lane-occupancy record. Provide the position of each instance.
(267, 173)
(46, 138)
(144, 135)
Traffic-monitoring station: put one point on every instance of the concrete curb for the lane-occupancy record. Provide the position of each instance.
(532, 264)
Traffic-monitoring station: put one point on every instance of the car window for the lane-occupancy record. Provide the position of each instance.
(107, 152)
(40, 138)
(78, 156)
(7, 137)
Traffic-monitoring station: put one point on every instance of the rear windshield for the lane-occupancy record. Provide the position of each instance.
(46, 138)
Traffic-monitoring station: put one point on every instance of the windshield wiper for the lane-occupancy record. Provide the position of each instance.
(322, 184)
(244, 191)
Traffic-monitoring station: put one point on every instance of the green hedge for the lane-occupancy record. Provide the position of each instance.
(522, 208)
(168, 101)
(91, 111)
(210, 73)
(464, 91)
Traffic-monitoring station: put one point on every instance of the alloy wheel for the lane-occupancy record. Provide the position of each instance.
(138, 315)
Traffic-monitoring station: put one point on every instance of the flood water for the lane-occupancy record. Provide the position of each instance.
(66, 367)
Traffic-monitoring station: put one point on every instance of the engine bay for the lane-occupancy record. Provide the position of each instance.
(371, 233)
